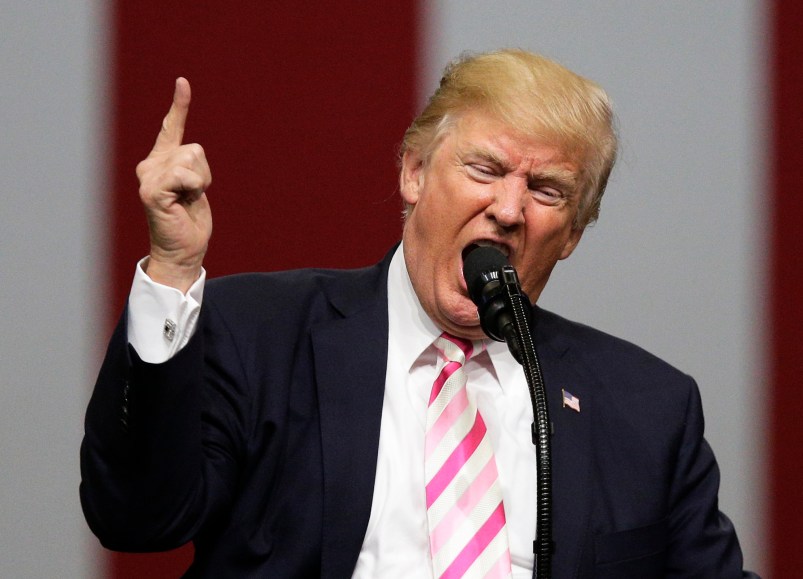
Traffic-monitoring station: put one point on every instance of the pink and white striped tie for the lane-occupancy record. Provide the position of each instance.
(467, 532)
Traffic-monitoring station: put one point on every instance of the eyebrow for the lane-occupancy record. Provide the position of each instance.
(562, 177)
(490, 156)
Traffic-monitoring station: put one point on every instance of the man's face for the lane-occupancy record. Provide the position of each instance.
(485, 183)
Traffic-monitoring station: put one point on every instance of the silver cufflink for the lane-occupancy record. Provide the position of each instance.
(169, 330)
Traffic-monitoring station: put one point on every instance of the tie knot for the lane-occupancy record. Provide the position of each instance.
(456, 349)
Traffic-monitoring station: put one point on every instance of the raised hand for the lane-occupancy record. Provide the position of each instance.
(173, 180)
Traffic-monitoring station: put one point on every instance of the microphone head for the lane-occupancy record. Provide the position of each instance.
(482, 265)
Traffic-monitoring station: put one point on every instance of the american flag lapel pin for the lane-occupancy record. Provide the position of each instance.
(571, 401)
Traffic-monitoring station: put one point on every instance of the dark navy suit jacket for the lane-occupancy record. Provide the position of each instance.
(258, 441)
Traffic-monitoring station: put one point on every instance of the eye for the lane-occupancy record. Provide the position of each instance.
(548, 195)
(484, 173)
(482, 169)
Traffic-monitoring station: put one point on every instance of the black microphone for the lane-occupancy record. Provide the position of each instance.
(490, 277)
(494, 287)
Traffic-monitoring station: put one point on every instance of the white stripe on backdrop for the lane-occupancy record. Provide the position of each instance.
(673, 264)
(676, 261)
(52, 266)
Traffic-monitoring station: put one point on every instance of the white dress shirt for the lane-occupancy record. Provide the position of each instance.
(396, 543)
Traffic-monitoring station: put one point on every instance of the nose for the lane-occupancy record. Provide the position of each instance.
(507, 205)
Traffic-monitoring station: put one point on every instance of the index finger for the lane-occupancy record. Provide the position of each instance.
(172, 132)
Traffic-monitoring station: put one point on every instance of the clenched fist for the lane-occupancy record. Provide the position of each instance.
(173, 180)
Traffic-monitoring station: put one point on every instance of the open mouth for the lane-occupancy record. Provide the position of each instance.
(500, 247)
(468, 249)
(504, 249)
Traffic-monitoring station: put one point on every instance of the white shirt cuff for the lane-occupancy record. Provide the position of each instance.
(161, 319)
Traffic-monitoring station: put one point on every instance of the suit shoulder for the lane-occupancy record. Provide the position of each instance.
(291, 291)
(632, 385)
(602, 351)
(292, 281)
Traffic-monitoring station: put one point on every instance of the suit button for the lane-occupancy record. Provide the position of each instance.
(124, 406)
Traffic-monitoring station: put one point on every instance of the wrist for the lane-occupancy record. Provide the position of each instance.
(179, 275)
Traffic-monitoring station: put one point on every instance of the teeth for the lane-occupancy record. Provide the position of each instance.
(486, 243)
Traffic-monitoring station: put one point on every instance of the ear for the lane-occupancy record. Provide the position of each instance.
(411, 177)
(572, 242)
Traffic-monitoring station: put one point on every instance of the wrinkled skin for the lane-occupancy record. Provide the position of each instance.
(485, 183)
(173, 180)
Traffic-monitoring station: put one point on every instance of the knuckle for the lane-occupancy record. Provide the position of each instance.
(183, 156)
(196, 150)
(175, 173)
(142, 168)
(145, 194)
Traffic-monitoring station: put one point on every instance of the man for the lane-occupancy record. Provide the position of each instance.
(302, 423)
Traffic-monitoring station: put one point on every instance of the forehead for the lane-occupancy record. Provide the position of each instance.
(477, 134)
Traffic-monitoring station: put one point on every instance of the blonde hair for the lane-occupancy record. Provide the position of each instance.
(536, 96)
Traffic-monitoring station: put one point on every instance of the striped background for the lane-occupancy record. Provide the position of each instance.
(300, 107)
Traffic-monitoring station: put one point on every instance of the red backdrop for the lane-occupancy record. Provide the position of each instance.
(786, 350)
(300, 108)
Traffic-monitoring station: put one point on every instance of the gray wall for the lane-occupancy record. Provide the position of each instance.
(52, 271)
(676, 261)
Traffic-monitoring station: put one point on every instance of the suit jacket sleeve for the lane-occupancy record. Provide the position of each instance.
(157, 465)
(703, 541)
(682, 532)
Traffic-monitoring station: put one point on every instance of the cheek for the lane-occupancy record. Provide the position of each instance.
(547, 240)
(532, 277)
(439, 212)
(548, 227)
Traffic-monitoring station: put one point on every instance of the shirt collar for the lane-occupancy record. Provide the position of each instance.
(410, 330)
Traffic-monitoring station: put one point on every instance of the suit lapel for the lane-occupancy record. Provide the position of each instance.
(350, 361)
(571, 450)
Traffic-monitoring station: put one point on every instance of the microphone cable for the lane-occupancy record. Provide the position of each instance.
(504, 309)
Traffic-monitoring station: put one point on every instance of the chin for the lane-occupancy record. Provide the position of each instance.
(463, 313)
